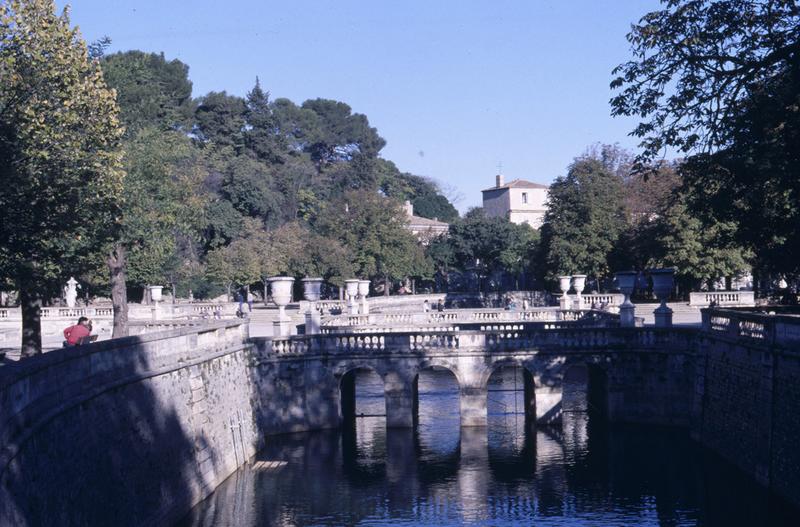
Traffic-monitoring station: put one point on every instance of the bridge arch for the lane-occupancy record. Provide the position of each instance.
(347, 374)
(521, 383)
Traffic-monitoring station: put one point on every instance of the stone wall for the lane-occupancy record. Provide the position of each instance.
(747, 396)
(127, 432)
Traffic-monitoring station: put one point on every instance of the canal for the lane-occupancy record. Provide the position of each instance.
(583, 472)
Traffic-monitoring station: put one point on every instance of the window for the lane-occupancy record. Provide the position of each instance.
(524, 197)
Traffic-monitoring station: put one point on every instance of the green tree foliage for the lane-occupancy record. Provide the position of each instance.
(492, 243)
(262, 137)
(164, 204)
(584, 220)
(694, 64)
(423, 193)
(151, 91)
(248, 187)
(60, 156)
(373, 229)
(220, 119)
(341, 134)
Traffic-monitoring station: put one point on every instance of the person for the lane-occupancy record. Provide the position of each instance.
(79, 333)
(525, 304)
(440, 306)
(249, 301)
(239, 298)
(426, 306)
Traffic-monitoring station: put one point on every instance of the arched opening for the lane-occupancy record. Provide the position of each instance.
(363, 421)
(510, 408)
(436, 413)
(584, 402)
(361, 395)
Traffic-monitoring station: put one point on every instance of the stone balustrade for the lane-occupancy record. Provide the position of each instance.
(723, 298)
(764, 329)
(600, 299)
(135, 311)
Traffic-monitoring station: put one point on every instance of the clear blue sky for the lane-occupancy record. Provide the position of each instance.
(455, 87)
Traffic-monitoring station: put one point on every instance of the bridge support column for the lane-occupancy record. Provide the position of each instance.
(548, 404)
(400, 401)
(473, 405)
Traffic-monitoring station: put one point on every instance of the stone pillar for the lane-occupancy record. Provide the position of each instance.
(662, 287)
(399, 395)
(529, 391)
(363, 292)
(579, 284)
(627, 311)
(155, 296)
(564, 285)
(473, 405)
(351, 289)
(281, 294)
(311, 290)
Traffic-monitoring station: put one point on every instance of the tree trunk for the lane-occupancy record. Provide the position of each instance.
(265, 291)
(119, 293)
(386, 286)
(31, 307)
(174, 292)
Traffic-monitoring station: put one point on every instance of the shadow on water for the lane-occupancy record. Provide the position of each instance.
(509, 473)
(107, 449)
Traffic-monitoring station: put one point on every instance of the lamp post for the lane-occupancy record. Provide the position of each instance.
(626, 280)
(564, 285)
(281, 287)
(312, 289)
(579, 284)
(663, 280)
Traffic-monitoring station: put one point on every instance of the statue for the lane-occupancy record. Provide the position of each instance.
(71, 291)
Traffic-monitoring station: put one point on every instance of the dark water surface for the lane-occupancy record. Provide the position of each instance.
(581, 473)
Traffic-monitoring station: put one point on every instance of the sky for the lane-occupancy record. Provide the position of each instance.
(457, 88)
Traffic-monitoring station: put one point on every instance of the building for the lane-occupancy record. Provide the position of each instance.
(423, 228)
(520, 201)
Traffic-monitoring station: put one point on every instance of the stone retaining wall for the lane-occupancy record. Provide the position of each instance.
(133, 431)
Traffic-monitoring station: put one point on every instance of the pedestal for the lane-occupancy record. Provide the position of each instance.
(364, 306)
(564, 303)
(627, 316)
(663, 316)
(313, 321)
(281, 327)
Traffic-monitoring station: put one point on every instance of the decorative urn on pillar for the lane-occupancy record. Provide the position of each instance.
(351, 288)
(578, 284)
(281, 288)
(564, 285)
(312, 291)
(626, 280)
(155, 296)
(663, 281)
(363, 292)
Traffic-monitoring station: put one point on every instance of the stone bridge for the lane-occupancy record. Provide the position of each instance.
(641, 374)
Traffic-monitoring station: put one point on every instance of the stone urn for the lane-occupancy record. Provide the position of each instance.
(155, 292)
(363, 293)
(579, 284)
(281, 288)
(564, 283)
(663, 282)
(312, 289)
(626, 281)
(351, 289)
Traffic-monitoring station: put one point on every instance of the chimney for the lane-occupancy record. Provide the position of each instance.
(499, 180)
(409, 208)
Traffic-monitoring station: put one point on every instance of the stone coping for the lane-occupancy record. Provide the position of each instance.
(11, 373)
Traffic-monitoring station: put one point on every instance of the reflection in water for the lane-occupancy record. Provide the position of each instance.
(509, 473)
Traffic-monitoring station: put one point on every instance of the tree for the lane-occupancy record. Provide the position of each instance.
(60, 157)
(247, 185)
(584, 220)
(262, 138)
(374, 231)
(695, 62)
(341, 134)
(220, 119)
(151, 91)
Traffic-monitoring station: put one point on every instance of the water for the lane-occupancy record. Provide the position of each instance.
(582, 473)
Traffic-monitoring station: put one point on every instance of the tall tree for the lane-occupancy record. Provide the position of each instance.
(584, 220)
(60, 156)
(695, 62)
(220, 119)
(261, 137)
(151, 91)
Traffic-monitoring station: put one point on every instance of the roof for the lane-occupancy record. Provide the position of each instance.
(420, 221)
(518, 183)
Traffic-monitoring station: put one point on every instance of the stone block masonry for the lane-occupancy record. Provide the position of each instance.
(127, 432)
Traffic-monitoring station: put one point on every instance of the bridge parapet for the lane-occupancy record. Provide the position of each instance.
(757, 329)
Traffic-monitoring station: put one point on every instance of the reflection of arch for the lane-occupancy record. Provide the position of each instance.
(527, 385)
(585, 389)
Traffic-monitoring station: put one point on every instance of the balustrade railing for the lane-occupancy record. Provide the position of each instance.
(759, 328)
(723, 298)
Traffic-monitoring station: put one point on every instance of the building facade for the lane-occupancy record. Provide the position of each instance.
(519, 201)
(423, 228)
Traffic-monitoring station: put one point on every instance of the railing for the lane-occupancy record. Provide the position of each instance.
(135, 311)
(760, 328)
(723, 298)
(348, 323)
(559, 336)
(600, 299)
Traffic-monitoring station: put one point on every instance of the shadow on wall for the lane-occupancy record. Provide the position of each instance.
(107, 438)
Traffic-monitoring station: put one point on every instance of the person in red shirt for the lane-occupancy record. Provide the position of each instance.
(74, 335)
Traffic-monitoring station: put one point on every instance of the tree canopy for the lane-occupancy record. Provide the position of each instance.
(60, 156)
